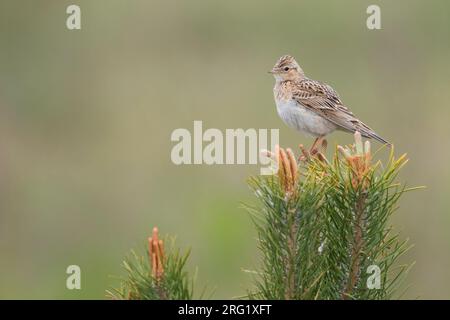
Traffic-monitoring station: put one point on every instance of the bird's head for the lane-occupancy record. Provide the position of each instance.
(287, 68)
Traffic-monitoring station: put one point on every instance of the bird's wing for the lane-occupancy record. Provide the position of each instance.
(323, 100)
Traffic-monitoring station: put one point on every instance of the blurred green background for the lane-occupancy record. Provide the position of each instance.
(86, 118)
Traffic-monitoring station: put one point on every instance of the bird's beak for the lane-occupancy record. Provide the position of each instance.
(271, 71)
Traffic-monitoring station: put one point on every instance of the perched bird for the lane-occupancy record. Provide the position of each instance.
(310, 106)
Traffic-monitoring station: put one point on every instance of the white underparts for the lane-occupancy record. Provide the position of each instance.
(301, 119)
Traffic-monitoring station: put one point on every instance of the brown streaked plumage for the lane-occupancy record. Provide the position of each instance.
(311, 106)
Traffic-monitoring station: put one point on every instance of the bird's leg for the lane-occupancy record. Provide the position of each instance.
(323, 151)
(318, 149)
(316, 145)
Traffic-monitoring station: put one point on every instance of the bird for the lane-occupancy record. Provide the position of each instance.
(312, 107)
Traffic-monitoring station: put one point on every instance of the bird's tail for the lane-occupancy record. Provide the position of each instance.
(373, 135)
(369, 133)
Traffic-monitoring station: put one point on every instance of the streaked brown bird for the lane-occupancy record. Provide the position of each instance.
(312, 107)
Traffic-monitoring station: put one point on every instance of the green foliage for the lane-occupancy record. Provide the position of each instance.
(319, 241)
(357, 231)
(141, 284)
(289, 237)
(323, 231)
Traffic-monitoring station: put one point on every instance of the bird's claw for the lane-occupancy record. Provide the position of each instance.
(314, 152)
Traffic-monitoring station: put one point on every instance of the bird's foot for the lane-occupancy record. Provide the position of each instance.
(317, 150)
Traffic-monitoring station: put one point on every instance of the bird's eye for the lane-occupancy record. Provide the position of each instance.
(286, 68)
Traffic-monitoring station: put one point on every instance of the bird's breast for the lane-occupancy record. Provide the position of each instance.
(302, 119)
